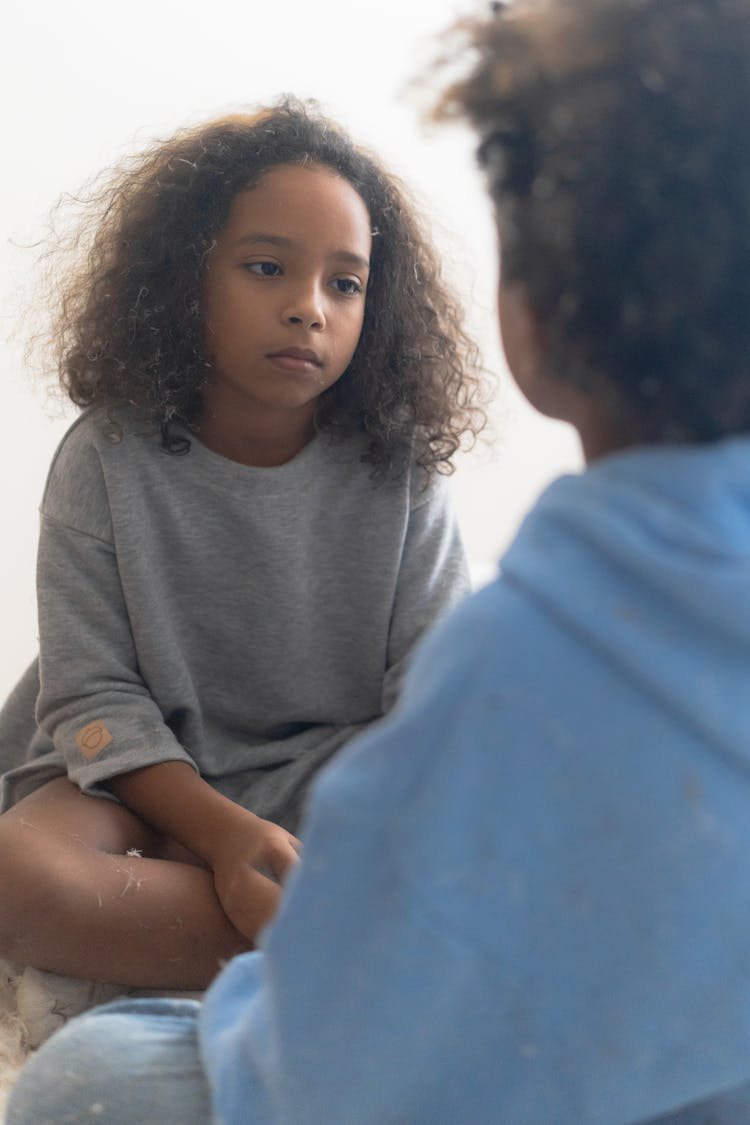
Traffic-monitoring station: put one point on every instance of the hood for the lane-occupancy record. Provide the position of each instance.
(646, 557)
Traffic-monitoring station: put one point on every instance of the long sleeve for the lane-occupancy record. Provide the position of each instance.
(93, 702)
(432, 578)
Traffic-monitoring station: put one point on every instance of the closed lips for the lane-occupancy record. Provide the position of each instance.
(297, 353)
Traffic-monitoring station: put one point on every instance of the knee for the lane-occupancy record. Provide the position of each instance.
(16, 871)
(70, 1077)
(28, 866)
(131, 1061)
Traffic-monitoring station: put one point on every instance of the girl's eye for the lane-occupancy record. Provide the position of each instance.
(349, 286)
(263, 269)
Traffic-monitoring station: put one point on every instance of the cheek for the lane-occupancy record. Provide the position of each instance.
(212, 328)
(357, 329)
(229, 319)
(358, 322)
(211, 307)
(507, 336)
(222, 301)
(346, 331)
(353, 341)
(519, 332)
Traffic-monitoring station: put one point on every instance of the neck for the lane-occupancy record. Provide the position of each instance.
(598, 441)
(600, 429)
(598, 417)
(261, 437)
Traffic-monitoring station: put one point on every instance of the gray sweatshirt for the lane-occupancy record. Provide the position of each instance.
(245, 620)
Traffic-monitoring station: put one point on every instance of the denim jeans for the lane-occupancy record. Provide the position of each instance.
(133, 1062)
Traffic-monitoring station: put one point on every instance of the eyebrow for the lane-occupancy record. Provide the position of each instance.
(287, 243)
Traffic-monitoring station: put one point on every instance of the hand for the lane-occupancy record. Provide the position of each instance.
(241, 849)
(251, 850)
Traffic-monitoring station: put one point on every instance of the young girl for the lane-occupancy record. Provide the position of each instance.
(242, 538)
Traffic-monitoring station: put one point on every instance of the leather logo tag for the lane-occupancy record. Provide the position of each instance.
(92, 739)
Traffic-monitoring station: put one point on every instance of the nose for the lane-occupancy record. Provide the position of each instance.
(306, 309)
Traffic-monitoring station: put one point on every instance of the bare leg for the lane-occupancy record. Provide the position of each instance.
(74, 902)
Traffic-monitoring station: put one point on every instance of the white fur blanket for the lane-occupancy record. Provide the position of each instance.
(33, 1004)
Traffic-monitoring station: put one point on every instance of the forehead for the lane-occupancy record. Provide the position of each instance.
(312, 206)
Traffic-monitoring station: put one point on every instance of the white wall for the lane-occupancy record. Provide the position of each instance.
(83, 82)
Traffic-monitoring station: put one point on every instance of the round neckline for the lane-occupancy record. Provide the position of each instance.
(237, 469)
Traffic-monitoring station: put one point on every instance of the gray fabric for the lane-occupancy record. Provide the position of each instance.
(246, 620)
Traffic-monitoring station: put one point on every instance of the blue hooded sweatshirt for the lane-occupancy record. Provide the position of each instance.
(525, 897)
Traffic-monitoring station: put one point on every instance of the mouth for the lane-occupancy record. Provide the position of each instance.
(295, 359)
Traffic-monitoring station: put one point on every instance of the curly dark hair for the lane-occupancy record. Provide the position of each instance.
(128, 324)
(616, 139)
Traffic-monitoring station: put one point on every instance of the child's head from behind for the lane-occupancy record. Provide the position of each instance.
(616, 139)
(133, 326)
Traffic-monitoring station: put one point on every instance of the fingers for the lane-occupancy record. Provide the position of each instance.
(251, 901)
(248, 876)
(282, 856)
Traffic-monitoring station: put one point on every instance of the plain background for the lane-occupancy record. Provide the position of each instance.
(84, 83)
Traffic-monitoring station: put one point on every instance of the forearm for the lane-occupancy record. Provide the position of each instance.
(174, 799)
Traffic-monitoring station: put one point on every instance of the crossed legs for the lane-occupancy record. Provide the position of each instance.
(90, 891)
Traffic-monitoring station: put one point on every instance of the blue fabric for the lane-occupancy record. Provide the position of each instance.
(128, 1063)
(138, 1061)
(525, 897)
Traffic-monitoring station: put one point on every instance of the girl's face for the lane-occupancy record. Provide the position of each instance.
(284, 296)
